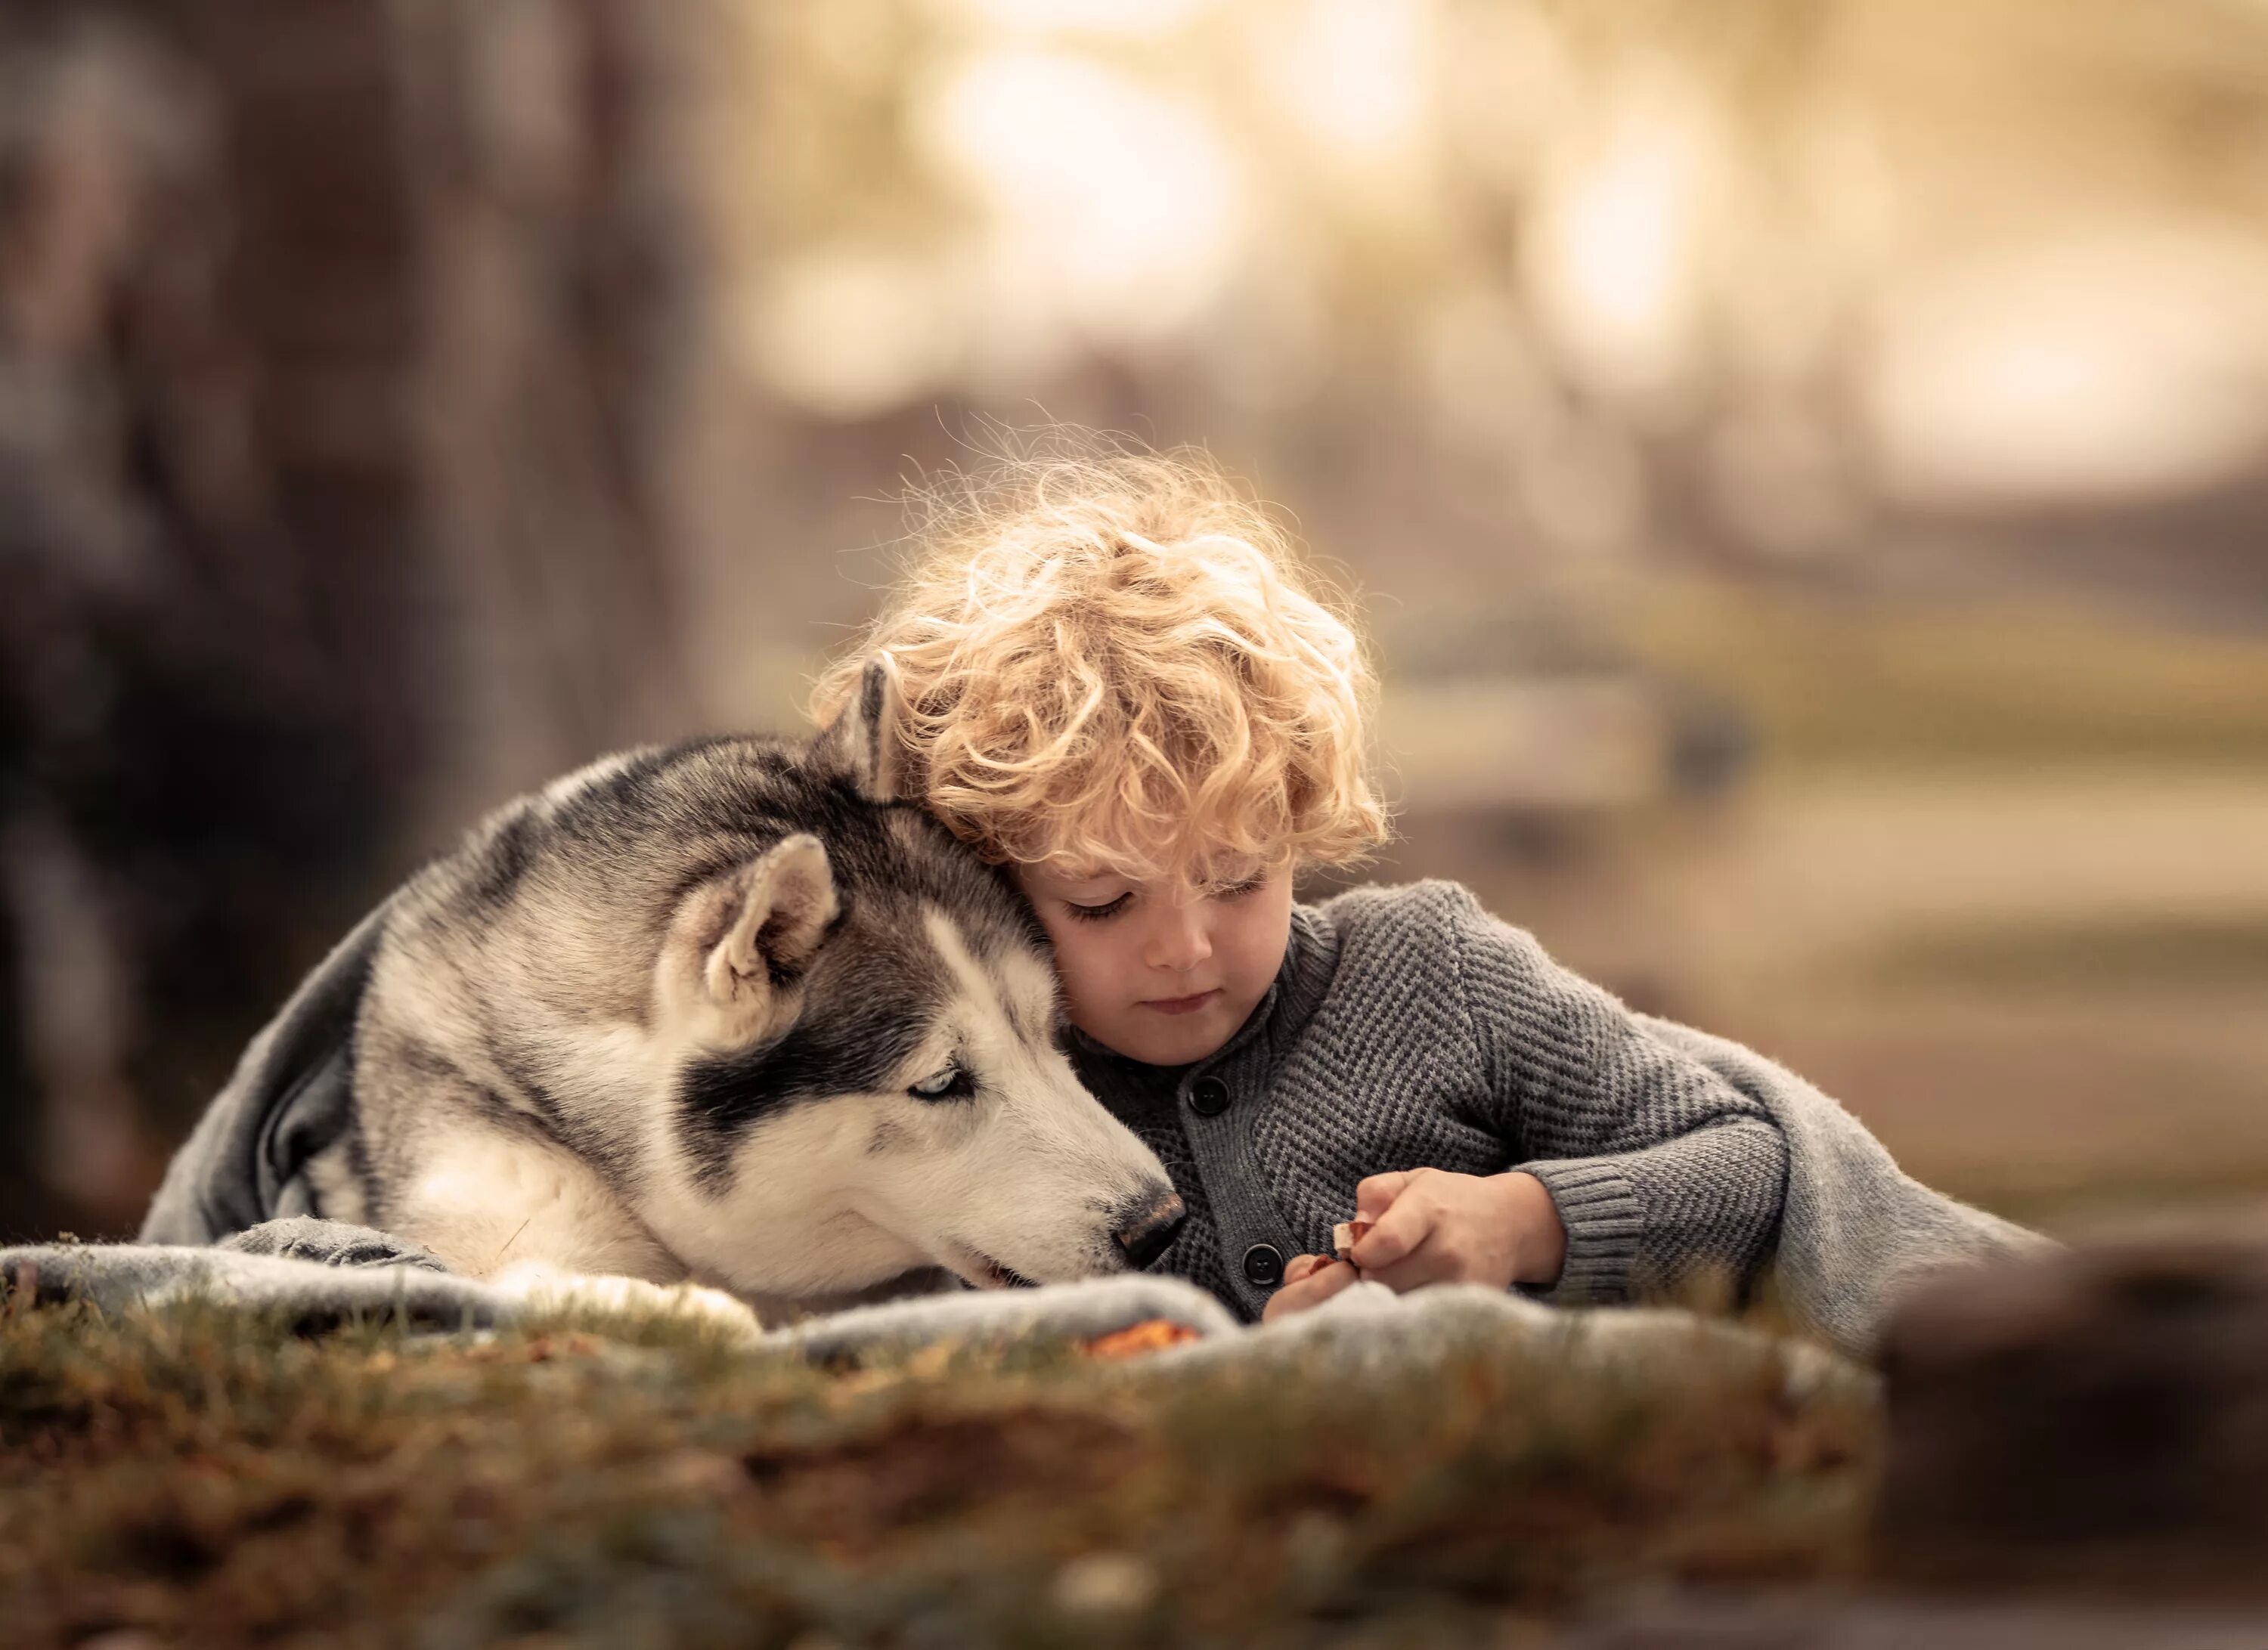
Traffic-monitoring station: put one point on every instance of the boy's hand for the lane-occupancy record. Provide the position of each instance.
(1430, 1226)
(1308, 1281)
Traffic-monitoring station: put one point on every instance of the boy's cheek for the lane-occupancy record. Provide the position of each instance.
(1076, 969)
(1098, 1003)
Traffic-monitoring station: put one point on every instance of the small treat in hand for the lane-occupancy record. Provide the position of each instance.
(1347, 1233)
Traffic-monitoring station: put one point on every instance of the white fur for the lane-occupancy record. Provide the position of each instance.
(487, 1201)
(1027, 1174)
(548, 1287)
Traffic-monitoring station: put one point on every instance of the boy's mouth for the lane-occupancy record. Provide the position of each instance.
(1182, 1004)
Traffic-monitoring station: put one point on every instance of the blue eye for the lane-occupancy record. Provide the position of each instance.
(953, 1083)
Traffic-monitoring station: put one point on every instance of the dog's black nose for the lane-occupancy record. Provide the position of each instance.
(1144, 1235)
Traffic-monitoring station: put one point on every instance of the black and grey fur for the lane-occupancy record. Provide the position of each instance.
(726, 1011)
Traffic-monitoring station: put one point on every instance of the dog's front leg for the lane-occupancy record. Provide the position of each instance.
(540, 1224)
(551, 1289)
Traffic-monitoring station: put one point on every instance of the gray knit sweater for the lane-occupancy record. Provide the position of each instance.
(1409, 1028)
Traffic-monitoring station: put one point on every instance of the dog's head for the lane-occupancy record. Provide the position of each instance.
(871, 1080)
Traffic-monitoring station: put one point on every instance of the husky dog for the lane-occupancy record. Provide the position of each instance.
(727, 1012)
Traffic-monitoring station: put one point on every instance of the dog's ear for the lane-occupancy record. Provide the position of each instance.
(755, 931)
(863, 741)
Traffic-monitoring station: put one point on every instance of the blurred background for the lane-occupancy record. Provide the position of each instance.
(1803, 461)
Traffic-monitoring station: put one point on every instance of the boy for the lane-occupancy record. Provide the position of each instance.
(1114, 678)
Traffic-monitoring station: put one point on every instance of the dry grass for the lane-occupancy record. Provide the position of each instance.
(201, 1478)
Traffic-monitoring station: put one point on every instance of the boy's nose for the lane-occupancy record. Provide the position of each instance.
(1180, 941)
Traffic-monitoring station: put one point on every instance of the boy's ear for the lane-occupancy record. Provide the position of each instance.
(862, 740)
(750, 936)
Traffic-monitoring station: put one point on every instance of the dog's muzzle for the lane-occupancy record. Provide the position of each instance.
(1144, 1235)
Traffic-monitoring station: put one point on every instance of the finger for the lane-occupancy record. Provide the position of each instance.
(1318, 1286)
(1396, 1231)
(1375, 1194)
(1311, 1291)
(1299, 1267)
(1334, 1277)
(1431, 1261)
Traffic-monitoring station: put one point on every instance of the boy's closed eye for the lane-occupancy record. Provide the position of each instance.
(1108, 909)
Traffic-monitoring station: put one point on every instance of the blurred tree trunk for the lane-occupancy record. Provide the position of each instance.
(355, 375)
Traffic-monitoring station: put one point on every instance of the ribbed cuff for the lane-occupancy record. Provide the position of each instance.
(1601, 1211)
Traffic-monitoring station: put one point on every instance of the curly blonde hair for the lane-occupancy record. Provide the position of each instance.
(1114, 660)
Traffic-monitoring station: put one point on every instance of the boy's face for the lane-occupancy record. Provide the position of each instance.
(1163, 975)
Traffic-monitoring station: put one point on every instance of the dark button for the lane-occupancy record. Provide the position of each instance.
(1208, 1097)
(1263, 1264)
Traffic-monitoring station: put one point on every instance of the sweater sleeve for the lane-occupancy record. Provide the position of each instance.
(1662, 1171)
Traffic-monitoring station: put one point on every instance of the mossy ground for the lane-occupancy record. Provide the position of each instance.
(194, 1477)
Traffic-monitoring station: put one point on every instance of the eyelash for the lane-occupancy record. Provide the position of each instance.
(1104, 913)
